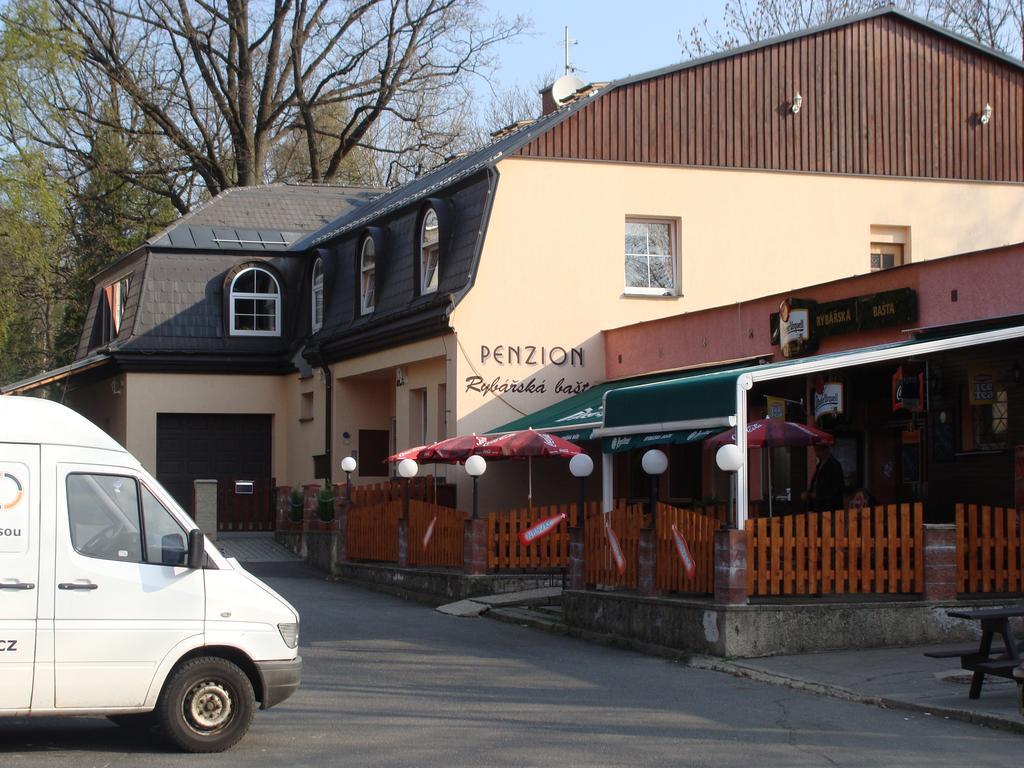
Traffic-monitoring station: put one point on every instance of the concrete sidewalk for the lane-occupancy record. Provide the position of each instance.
(898, 678)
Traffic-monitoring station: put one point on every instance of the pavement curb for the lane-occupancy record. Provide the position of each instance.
(837, 692)
(738, 669)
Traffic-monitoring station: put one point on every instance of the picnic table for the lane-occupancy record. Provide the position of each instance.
(981, 660)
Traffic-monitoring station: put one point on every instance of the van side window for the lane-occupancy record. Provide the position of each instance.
(103, 511)
(165, 539)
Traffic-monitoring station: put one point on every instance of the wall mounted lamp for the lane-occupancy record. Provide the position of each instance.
(798, 102)
(986, 114)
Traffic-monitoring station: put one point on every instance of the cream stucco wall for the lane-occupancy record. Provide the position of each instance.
(304, 437)
(551, 272)
(104, 404)
(366, 396)
(148, 394)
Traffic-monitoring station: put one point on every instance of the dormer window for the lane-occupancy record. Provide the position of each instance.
(367, 276)
(115, 298)
(318, 295)
(430, 252)
(255, 302)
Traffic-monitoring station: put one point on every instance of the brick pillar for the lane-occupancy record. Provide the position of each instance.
(939, 562)
(577, 565)
(309, 493)
(730, 566)
(474, 547)
(647, 565)
(204, 506)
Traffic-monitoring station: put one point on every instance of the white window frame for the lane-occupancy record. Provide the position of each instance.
(881, 250)
(673, 235)
(367, 275)
(275, 297)
(429, 286)
(317, 295)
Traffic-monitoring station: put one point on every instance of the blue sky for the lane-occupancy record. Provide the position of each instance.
(614, 38)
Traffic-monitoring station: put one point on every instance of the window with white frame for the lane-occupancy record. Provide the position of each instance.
(255, 304)
(367, 276)
(651, 258)
(430, 252)
(889, 246)
(318, 295)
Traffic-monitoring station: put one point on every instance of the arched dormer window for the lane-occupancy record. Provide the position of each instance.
(255, 304)
(367, 276)
(318, 295)
(430, 252)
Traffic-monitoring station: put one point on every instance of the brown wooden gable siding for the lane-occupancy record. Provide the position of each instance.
(881, 96)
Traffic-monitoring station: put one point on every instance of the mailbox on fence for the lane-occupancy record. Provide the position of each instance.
(243, 487)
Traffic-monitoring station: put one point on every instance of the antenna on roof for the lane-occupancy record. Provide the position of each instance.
(569, 68)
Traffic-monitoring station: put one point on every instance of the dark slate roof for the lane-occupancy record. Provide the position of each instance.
(225, 238)
(440, 178)
(180, 306)
(491, 154)
(268, 217)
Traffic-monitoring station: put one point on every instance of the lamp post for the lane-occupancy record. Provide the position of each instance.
(581, 466)
(654, 463)
(729, 458)
(407, 468)
(348, 466)
(475, 466)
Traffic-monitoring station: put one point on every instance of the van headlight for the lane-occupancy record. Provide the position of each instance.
(289, 633)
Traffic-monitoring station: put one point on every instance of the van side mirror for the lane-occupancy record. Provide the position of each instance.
(172, 549)
(196, 548)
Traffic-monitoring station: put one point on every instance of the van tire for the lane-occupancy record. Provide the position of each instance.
(141, 721)
(207, 705)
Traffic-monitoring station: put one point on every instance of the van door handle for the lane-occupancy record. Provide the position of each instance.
(77, 585)
(16, 585)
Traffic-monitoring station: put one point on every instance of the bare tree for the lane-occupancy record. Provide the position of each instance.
(999, 24)
(222, 84)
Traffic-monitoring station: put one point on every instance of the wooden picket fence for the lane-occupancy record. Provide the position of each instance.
(871, 551)
(989, 549)
(446, 545)
(600, 568)
(372, 532)
(506, 552)
(697, 527)
(421, 488)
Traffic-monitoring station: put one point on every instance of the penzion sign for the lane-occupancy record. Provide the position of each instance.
(533, 382)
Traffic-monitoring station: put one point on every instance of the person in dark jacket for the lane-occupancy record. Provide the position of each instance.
(826, 491)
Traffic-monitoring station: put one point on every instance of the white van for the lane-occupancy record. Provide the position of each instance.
(110, 601)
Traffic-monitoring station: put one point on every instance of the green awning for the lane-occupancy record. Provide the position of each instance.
(695, 402)
(574, 418)
(635, 442)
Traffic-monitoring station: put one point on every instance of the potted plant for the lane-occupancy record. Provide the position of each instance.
(296, 506)
(325, 504)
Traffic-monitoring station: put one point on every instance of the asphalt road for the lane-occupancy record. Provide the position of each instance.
(391, 683)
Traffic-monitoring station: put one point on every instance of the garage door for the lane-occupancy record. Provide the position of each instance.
(230, 448)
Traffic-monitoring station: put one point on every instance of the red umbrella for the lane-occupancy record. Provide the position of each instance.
(409, 453)
(774, 433)
(525, 445)
(452, 450)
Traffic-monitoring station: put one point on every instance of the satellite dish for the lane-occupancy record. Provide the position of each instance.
(564, 87)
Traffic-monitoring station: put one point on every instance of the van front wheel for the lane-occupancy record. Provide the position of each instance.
(207, 705)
